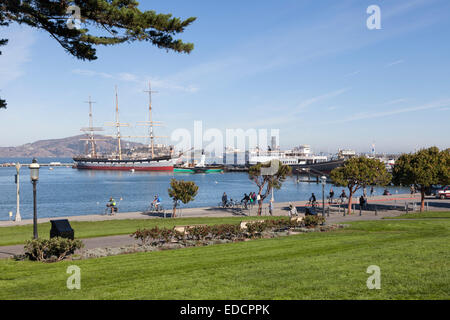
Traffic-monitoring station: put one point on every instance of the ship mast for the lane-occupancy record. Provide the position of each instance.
(91, 130)
(150, 121)
(118, 124)
(149, 91)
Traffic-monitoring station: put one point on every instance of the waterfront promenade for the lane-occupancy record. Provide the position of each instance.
(387, 206)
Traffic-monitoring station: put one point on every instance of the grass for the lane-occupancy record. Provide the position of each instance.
(413, 256)
(423, 215)
(92, 229)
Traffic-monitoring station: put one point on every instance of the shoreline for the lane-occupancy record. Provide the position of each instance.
(280, 209)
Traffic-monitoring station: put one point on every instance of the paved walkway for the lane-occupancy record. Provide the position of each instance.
(386, 206)
(279, 209)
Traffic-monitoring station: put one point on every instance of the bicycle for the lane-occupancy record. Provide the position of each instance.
(312, 204)
(155, 208)
(244, 204)
(110, 210)
(229, 204)
(222, 205)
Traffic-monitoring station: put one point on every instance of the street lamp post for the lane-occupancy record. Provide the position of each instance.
(324, 181)
(34, 175)
(18, 217)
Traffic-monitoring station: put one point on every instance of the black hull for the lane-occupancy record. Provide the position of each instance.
(321, 167)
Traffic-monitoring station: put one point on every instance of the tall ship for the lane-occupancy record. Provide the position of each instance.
(154, 157)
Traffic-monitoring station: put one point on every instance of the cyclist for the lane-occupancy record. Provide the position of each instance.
(112, 204)
(312, 199)
(156, 202)
(245, 199)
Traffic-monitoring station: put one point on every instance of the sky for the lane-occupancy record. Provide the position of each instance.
(310, 68)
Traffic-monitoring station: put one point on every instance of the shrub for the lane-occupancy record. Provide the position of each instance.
(199, 232)
(280, 223)
(156, 235)
(226, 231)
(313, 220)
(54, 249)
(256, 227)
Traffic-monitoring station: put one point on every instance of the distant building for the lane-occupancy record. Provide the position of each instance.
(273, 143)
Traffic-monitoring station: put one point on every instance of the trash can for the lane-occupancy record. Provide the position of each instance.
(61, 228)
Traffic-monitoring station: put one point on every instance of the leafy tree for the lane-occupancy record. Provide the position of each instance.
(423, 169)
(270, 175)
(113, 22)
(183, 191)
(359, 172)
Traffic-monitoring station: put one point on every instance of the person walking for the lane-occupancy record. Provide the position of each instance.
(292, 210)
(331, 195)
(224, 199)
(362, 202)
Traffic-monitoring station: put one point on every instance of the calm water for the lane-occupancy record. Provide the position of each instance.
(66, 191)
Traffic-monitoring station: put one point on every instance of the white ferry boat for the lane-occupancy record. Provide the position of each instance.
(300, 155)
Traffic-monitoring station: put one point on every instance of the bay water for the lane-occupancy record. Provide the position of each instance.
(65, 191)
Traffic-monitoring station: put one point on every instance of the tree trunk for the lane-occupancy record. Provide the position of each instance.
(422, 200)
(174, 212)
(350, 202)
(260, 200)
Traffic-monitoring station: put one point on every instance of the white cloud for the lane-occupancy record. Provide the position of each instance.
(352, 73)
(290, 114)
(141, 80)
(432, 105)
(394, 63)
(395, 101)
(325, 96)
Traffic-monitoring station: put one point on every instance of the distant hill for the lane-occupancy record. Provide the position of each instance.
(62, 148)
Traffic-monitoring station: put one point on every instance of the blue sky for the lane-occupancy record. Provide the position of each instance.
(309, 68)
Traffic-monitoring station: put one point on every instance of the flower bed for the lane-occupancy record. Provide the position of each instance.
(206, 235)
(253, 229)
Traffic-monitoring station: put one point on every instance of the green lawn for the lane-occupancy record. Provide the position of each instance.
(92, 229)
(423, 215)
(413, 256)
